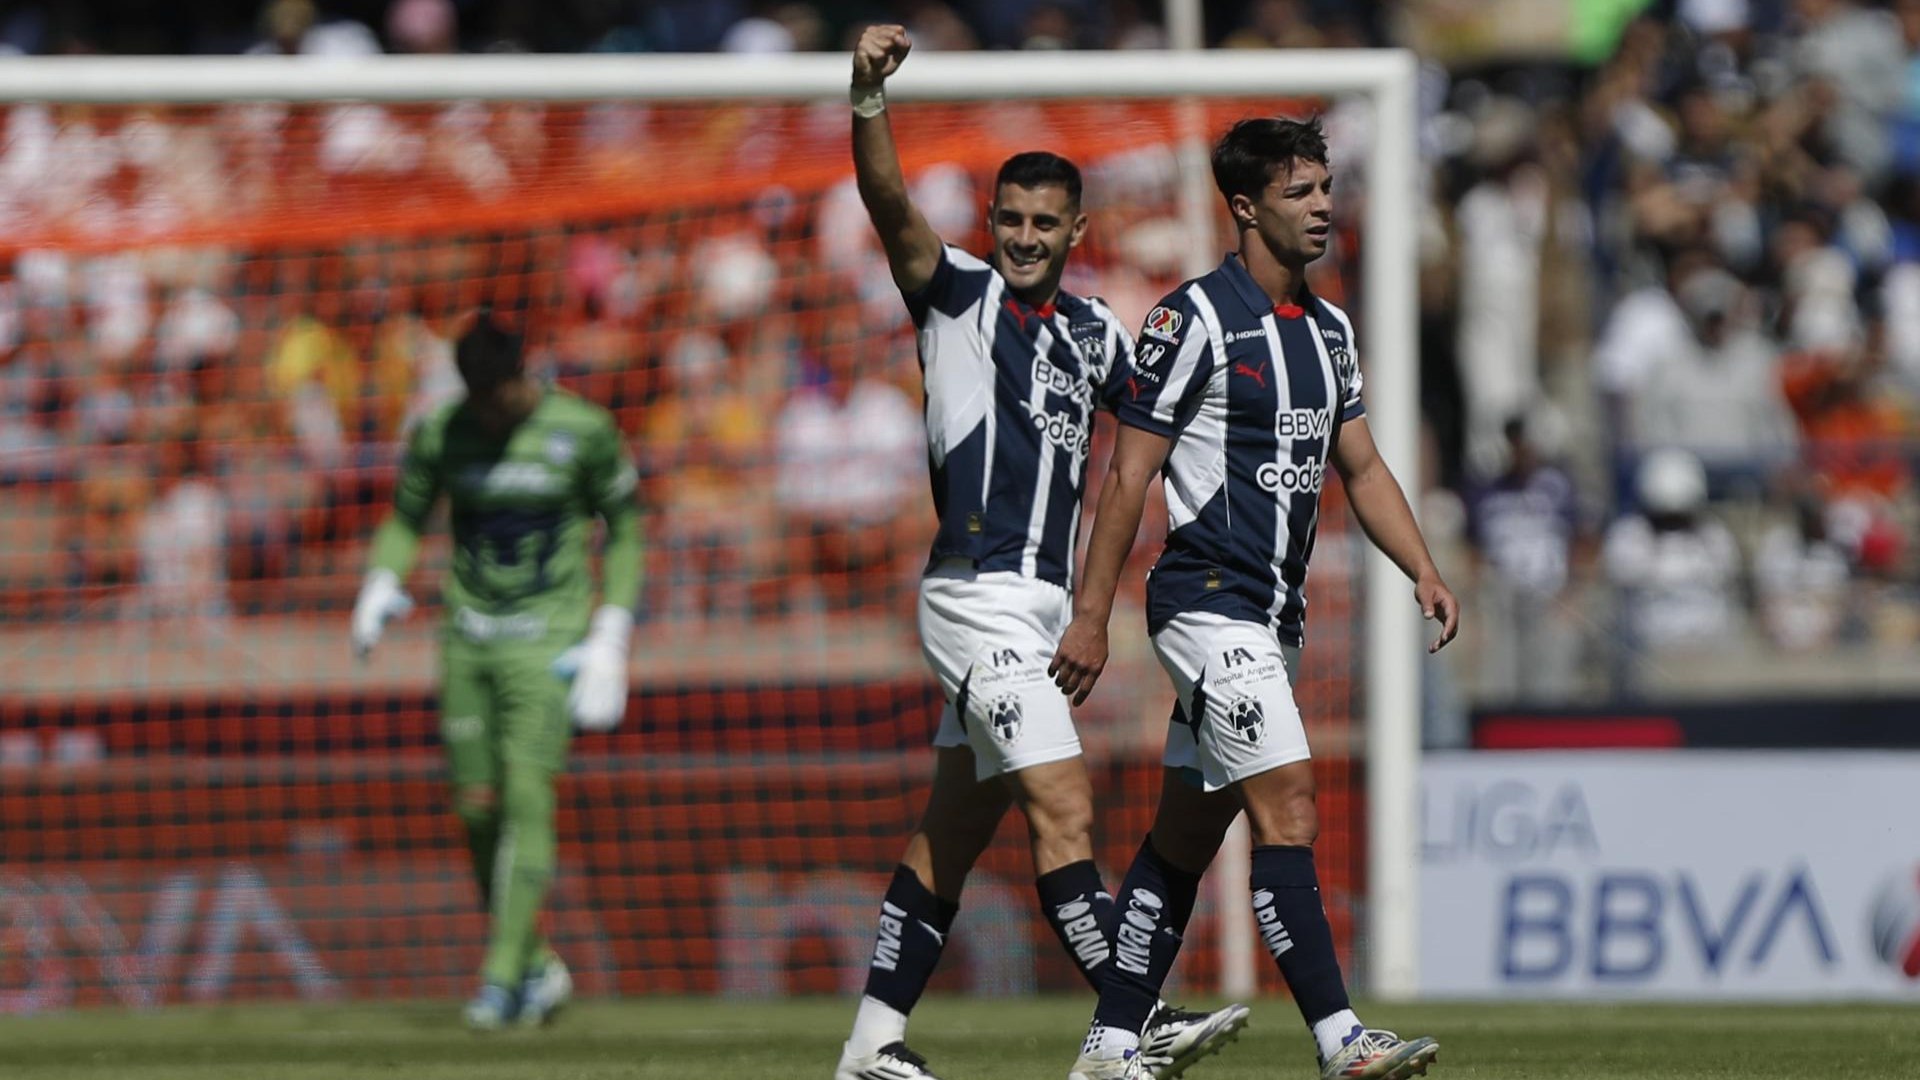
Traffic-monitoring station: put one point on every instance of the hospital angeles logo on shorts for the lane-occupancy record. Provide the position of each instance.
(1248, 720)
(1003, 719)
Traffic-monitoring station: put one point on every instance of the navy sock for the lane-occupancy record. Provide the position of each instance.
(1080, 910)
(1150, 915)
(1287, 909)
(913, 931)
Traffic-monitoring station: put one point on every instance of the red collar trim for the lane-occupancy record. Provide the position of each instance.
(1289, 311)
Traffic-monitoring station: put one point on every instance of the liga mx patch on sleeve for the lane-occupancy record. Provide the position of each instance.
(1162, 323)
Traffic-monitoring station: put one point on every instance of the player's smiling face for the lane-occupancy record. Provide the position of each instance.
(1033, 230)
(1294, 214)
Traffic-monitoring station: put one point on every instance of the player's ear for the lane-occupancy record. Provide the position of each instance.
(1242, 209)
(1078, 231)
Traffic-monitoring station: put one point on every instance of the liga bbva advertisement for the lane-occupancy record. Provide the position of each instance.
(1675, 874)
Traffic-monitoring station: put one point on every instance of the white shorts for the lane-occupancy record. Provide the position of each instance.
(1236, 716)
(989, 638)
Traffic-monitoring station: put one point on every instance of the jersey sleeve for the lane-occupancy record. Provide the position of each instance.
(1110, 384)
(953, 289)
(1347, 366)
(608, 473)
(420, 474)
(610, 480)
(1172, 365)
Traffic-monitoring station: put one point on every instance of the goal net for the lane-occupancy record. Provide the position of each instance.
(219, 319)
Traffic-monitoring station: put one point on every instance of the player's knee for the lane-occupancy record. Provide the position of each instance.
(1290, 819)
(529, 792)
(1061, 827)
(1064, 822)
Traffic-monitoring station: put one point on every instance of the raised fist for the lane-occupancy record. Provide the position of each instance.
(879, 54)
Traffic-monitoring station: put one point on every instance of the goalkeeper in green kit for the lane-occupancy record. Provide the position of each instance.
(526, 469)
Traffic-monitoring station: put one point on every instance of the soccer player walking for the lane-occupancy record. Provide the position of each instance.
(526, 469)
(1245, 388)
(1014, 369)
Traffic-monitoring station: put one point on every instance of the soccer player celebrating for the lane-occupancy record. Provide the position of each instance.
(1014, 368)
(527, 469)
(1245, 387)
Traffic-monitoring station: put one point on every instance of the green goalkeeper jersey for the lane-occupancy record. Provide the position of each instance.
(522, 508)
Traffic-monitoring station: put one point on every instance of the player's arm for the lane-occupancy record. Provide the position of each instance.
(1082, 653)
(1172, 351)
(1382, 510)
(613, 482)
(598, 665)
(913, 249)
(396, 543)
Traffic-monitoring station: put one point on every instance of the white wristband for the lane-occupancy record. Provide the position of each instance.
(868, 101)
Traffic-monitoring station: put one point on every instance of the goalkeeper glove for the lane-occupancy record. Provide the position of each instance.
(598, 667)
(380, 599)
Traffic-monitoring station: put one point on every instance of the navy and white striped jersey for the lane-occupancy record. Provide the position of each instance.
(1011, 392)
(1253, 396)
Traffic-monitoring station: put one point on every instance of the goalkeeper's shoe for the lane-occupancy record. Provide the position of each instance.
(893, 1061)
(1176, 1038)
(491, 1008)
(1130, 1065)
(1369, 1054)
(544, 992)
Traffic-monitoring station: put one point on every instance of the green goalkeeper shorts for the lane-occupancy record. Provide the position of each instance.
(501, 702)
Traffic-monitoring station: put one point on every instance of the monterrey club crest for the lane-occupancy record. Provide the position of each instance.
(1248, 720)
(1092, 341)
(1003, 716)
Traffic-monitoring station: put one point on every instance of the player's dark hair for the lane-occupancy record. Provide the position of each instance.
(1038, 168)
(1254, 151)
(490, 352)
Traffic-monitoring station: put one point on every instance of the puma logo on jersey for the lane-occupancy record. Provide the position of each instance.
(1258, 375)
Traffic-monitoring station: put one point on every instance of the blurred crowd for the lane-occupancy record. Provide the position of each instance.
(1670, 292)
(1680, 294)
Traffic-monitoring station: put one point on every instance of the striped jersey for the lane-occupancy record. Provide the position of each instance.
(1253, 396)
(1010, 396)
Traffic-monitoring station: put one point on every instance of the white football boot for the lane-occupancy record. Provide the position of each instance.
(1176, 1038)
(893, 1061)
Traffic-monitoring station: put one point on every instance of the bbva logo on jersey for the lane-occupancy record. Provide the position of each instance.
(1062, 382)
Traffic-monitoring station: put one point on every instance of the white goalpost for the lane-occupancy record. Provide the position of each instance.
(1388, 335)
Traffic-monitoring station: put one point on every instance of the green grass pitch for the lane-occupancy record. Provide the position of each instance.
(966, 1039)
